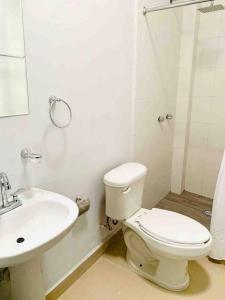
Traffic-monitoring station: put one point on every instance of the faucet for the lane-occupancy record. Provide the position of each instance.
(6, 204)
(5, 186)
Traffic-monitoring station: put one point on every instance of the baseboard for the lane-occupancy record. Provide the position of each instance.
(57, 291)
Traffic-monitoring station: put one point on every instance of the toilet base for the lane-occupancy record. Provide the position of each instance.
(166, 272)
(164, 282)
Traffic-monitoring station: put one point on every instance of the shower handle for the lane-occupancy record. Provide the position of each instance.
(169, 117)
(161, 119)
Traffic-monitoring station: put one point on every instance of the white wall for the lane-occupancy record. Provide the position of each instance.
(81, 51)
(157, 62)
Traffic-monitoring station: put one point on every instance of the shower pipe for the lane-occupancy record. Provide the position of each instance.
(184, 3)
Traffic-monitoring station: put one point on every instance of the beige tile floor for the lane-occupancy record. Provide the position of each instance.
(110, 278)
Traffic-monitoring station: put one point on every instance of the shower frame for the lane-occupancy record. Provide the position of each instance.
(174, 5)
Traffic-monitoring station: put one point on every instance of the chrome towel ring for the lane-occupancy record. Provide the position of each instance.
(52, 102)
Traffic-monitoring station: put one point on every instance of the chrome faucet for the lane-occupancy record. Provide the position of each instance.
(5, 186)
(6, 204)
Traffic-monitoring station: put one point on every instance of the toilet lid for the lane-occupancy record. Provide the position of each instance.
(172, 227)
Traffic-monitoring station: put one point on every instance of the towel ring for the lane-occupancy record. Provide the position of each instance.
(52, 102)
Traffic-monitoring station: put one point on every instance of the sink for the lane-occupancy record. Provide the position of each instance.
(42, 220)
(27, 232)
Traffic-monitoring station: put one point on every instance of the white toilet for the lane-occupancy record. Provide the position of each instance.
(159, 242)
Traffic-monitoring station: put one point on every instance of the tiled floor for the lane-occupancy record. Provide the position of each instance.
(110, 278)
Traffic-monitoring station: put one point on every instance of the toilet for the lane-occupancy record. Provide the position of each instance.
(159, 242)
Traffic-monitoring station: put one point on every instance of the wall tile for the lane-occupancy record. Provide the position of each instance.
(212, 161)
(217, 112)
(219, 82)
(179, 134)
(182, 108)
(177, 185)
(186, 50)
(209, 184)
(209, 24)
(198, 135)
(216, 140)
(207, 53)
(221, 53)
(183, 86)
(203, 82)
(221, 31)
(189, 14)
(194, 170)
(201, 109)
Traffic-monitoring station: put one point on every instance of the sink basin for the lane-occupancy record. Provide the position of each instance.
(27, 232)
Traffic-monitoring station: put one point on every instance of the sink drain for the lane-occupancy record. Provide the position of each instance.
(20, 240)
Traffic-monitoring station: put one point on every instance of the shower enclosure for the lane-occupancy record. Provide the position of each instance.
(180, 70)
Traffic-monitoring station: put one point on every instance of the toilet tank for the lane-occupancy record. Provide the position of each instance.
(124, 190)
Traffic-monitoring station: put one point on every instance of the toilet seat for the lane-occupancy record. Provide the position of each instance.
(170, 247)
(172, 228)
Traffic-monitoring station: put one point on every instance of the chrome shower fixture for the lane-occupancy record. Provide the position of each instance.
(207, 9)
(211, 8)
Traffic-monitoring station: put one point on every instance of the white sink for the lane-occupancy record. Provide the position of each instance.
(43, 219)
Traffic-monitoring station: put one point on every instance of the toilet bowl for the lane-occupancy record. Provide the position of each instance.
(159, 242)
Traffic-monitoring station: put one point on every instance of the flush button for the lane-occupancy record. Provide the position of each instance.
(20, 240)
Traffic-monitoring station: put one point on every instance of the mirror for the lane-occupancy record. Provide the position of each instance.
(13, 80)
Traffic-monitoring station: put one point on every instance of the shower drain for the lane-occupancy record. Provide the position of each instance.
(207, 213)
